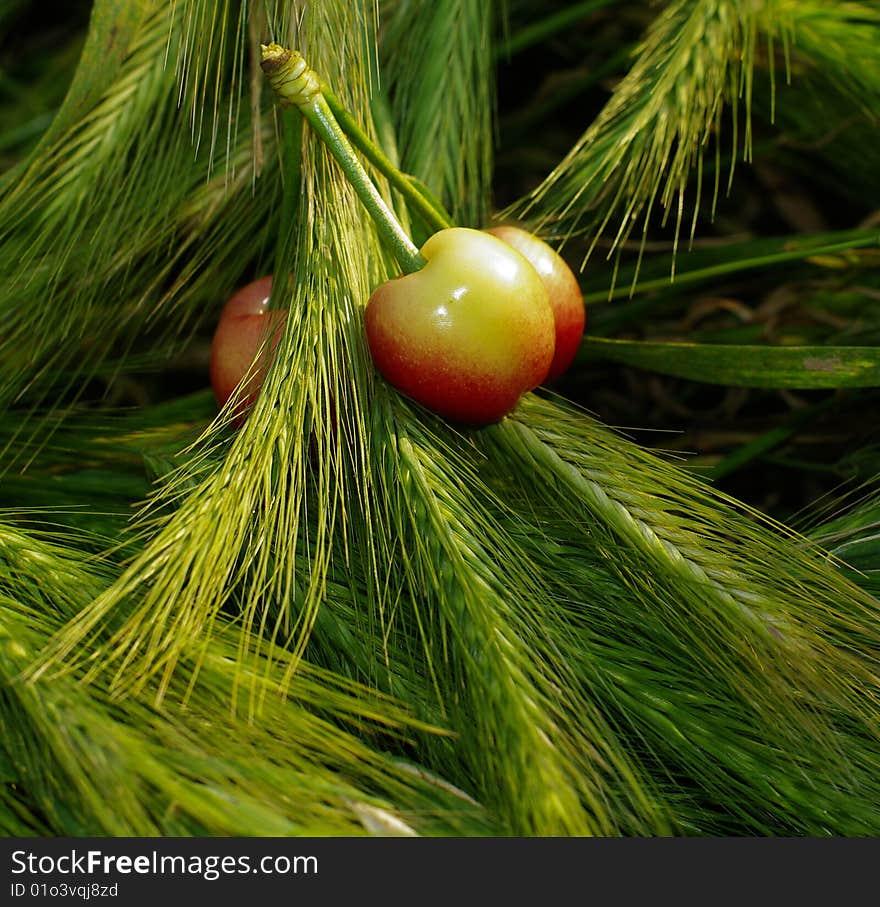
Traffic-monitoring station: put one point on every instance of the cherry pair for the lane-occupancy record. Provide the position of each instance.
(490, 316)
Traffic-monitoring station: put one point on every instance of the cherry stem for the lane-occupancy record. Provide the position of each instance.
(418, 195)
(296, 84)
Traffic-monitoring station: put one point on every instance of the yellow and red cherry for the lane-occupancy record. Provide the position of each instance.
(469, 333)
(565, 294)
(245, 323)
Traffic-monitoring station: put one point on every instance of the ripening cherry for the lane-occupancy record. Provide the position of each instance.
(467, 334)
(565, 294)
(244, 323)
(468, 328)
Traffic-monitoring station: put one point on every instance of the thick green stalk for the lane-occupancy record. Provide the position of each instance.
(296, 84)
(418, 196)
(546, 28)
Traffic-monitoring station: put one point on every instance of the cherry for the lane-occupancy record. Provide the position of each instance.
(244, 323)
(565, 294)
(467, 334)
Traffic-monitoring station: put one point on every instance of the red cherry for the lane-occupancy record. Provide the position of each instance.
(469, 333)
(244, 324)
(565, 294)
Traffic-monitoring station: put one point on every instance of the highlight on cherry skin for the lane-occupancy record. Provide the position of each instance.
(243, 325)
(565, 294)
(469, 333)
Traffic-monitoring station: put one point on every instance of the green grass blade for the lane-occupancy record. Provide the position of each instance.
(743, 596)
(201, 765)
(801, 367)
(113, 27)
(556, 767)
(732, 258)
(642, 147)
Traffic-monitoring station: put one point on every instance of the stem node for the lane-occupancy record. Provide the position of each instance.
(294, 82)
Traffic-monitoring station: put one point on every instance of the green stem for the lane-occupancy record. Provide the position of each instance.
(386, 136)
(422, 202)
(785, 254)
(766, 442)
(549, 26)
(296, 84)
